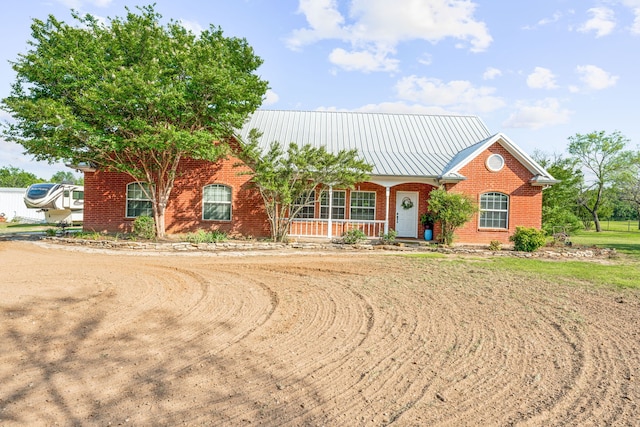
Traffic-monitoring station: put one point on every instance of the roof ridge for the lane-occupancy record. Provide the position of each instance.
(371, 113)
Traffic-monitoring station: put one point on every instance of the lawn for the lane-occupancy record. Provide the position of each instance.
(623, 236)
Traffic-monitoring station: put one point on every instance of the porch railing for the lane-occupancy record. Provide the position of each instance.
(314, 227)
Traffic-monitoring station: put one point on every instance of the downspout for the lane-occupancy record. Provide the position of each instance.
(386, 216)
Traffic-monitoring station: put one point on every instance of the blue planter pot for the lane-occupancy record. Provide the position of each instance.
(428, 234)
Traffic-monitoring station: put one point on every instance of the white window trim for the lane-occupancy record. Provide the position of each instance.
(127, 198)
(333, 205)
(375, 205)
(489, 162)
(508, 211)
(230, 203)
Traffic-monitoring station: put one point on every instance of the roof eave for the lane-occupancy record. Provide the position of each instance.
(542, 181)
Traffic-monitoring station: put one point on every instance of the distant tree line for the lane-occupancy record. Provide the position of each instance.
(13, 177)
(599, 180)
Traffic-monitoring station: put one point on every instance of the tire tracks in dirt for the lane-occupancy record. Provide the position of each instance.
(324, 340)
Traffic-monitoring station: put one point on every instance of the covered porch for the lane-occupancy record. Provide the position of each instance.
(374, 207)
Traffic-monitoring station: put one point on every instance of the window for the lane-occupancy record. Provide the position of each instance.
(338, 204)
(137, 201)
(494, 210)
(216, 202)
(495, 162)
(363, 205)
(308, 209)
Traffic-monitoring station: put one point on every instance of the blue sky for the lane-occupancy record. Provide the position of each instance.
(538, 71)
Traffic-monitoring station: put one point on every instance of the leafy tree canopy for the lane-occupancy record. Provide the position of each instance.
(66, 177)
(286, 179)
(17, 178)
(132, 95)
(560, 201)
(604, 158)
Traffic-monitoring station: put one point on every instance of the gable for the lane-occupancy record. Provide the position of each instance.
(453, 171)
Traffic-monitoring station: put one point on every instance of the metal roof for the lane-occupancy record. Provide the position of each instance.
(396, 144)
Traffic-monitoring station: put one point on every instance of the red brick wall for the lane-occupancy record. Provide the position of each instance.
(525, 200)
(105, 201)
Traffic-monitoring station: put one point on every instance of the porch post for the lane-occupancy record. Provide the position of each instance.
(386, 215)
(329, 231)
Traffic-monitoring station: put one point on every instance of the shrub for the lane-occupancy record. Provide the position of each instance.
(144, 227)
(495, 245)
(390, 237)
(528, 239)
(50, 232)
(353, 236)
(452, 210)
(202, 236)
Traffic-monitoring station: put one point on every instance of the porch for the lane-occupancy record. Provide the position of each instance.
(374, 207)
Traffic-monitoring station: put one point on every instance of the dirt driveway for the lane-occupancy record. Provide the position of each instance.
(303, 338)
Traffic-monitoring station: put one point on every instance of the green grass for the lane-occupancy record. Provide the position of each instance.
(618, 274)
(622, 272)
(623, 236)
(11, 227)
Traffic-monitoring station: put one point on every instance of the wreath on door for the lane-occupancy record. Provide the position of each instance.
(406, 203)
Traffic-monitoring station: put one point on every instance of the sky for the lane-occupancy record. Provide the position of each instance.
(538, 71)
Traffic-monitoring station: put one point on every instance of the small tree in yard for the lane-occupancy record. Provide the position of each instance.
(287, 179)
(452, 210)
(604, 157)
(131, 96)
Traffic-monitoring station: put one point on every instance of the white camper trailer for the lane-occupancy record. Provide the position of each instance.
(61, 203)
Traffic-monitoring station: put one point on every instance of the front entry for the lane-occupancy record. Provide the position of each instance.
(407, 214)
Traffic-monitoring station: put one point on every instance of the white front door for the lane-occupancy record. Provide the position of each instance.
(407, 213)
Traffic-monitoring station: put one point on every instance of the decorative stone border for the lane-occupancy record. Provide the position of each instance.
(561, 253)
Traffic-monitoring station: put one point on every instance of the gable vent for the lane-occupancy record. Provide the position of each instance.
(495, 162)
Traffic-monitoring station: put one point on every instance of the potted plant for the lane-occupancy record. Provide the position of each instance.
(427, 220)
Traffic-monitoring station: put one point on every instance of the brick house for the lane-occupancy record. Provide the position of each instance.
(411, 154)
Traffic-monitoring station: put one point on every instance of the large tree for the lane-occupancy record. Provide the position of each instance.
(604, 158)
(132, 96)
(289, 179)
(560, 201)
(11, 176)
(630, 190)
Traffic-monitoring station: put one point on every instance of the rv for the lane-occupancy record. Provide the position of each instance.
(61, 203)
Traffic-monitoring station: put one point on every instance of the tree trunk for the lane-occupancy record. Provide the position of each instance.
(596, 221)
(160, 226)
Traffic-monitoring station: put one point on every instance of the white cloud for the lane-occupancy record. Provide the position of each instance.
(270, 98)
(77, 4)
(541, 78)
(545, 21)
(325, 22)
(457, 95)
(491, 73)
(635, 28)
(596, 78)
(192, 26)
(602, 21)
(365, 61)
(376, 27)
(554, 18)
(634, 5)
(543, 113)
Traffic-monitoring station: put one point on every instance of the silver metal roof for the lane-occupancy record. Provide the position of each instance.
(396, 144)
